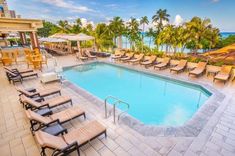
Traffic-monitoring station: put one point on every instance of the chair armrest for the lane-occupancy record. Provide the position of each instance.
(32, 90)
(70, 148)
(46, 105)
(52, 122)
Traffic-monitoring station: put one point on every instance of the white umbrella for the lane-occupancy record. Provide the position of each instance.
(84, 37)
(52, 40)
(73, 37)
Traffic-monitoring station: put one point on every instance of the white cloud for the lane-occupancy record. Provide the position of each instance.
(178, 20)
(67, 5)
(85, 22)
(215, 1)
(113, 5)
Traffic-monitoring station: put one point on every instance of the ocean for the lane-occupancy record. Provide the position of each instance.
(148, 42)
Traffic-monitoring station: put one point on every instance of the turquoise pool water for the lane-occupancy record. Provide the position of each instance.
(152, 99)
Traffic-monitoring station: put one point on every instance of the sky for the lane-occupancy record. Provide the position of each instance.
(221, 12)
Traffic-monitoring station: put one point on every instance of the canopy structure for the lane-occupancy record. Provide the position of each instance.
(21, 26)
(73, 37)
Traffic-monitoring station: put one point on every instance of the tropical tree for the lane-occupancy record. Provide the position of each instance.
(151, 34)
(117, 26)
(77, 27)
(160, 17)
(125, 33)
(133, 32)
(48, 29)
(64, 26)
(88, 29)
(200, 33)
(103, 36)
(144, 21)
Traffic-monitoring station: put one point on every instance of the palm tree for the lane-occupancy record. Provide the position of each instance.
(63, 26)
(117, 26)
(77, 27)
(198, 30)
(150, 33)
(160, 17)
(133, 31)
(166, 37)
(103, 37)
(144, 20)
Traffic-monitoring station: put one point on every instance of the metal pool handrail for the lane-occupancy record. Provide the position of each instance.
(116, 102)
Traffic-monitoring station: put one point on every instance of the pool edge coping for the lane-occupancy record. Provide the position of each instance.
(189, 129)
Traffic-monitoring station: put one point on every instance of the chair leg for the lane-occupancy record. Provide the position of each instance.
(42, 153)
(78, 151)
(105, 134)
(84, 115)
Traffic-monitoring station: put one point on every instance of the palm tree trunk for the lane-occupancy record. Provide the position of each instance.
(120, 42)
(166, 48)
(150, 42)
(143, 39)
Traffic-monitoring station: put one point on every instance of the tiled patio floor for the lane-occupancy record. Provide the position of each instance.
(217, 137)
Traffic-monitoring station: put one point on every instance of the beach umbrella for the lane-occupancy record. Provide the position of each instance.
(55, 40)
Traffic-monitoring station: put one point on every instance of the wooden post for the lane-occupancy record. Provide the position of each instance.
(23, 38)
(34, 40)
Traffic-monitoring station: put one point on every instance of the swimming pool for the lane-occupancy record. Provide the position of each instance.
(153, 100)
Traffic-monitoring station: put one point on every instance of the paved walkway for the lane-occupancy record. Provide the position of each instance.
(217, 137)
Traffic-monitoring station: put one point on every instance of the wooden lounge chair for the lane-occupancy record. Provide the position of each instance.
(127, 57)
(57, 101)
(136, 59)
(72, 141)
(119, 55)
(62, 117)
(163, 64)
(224, 74)
(22, 75)
(36, 92)
(180, 67)
(199, 70)
(88, 54)
(16, 70)
(149, 61)
(81, 57)
(13, 77)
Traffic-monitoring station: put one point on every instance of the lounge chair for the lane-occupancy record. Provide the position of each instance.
(199, 70)
(72, 141)
(180, 67)
(137, 58)
(88, 54)
(163, 64)
(118, 55)
(224, 74)
(149, 61)
(62, 117)
(57, 101)
(22, 75)
(13, 77)
(41, 93)
(81, 57)
(16, 70)
(127, 57)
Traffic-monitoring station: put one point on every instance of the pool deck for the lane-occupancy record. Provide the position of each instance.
(217, 136)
